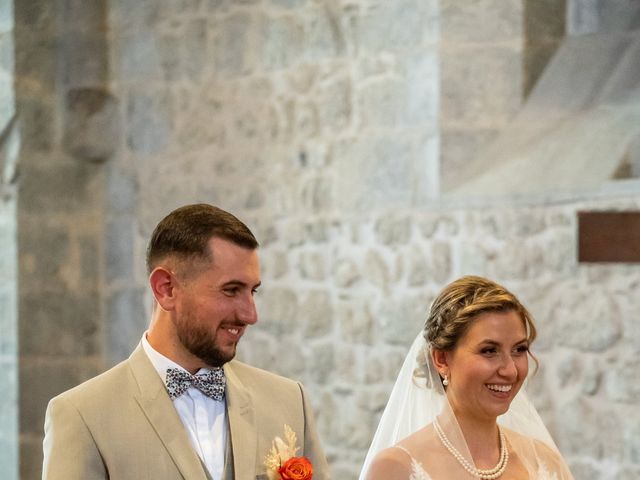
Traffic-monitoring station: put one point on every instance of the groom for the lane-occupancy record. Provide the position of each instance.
(180, 406)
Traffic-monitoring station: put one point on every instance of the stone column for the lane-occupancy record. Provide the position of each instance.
(67, 128)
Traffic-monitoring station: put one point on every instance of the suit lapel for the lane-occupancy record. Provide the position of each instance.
(160, 412)
(242, 425)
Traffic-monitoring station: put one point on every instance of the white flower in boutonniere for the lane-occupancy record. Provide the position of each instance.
(281, 461)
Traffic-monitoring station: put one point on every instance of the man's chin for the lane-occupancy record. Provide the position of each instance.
(218, 358)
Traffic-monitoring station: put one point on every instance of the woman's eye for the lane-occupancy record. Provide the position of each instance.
(488, 351)
(522, 349)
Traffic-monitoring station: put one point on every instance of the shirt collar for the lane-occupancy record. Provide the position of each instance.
(159, 361)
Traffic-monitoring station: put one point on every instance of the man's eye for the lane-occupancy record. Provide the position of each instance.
(230, 291)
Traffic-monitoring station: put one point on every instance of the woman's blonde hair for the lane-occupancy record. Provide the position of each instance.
(460, 302)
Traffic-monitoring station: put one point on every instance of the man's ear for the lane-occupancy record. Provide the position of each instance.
(441, 361)
(163, 286)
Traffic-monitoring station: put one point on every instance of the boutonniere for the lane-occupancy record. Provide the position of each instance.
(281, 461)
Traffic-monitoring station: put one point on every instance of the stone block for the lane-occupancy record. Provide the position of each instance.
(87, 15)
(40, 382)
(422, 85)
(149, 122)
(288, 3)
(385, 169)
(317, 194)
(335, 110)
(402, 24)
(377, 270)
(196, 49)
(92, 127)
(42, 269)
(312, 266)
(122, 189)
(279, 314)
(382, 102)
(63, 324)
(216, 6)
(127, 16)
(138, 59)
(399, 319)
(622, 381)
(36, 14)
(575, 327)
(317, 310)
(232, 46)
(87, 63)
(355, 322)
(31, 457)
(323, 35)
(170, 54)
(37, 123)
(126, 322)
(323, 356)
(393, 230)
(119, 248)
(50, 188)
(346, 272)
(481, 87)
(281, 42)
(482, 21)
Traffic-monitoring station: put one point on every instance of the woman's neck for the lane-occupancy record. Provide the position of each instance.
(483, 439)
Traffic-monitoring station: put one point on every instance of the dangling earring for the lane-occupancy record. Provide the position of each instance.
(445, 382)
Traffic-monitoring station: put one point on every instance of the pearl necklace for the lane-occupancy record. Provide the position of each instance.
(490, 474)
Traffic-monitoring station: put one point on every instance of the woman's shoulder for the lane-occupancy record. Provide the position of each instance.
(549, 461)
(392, 462)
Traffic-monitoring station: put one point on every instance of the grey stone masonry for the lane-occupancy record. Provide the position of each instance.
(330, 127)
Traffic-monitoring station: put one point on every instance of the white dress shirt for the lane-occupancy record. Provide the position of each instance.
(203, 418)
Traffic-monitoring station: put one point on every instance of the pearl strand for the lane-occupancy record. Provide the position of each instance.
(490, 474)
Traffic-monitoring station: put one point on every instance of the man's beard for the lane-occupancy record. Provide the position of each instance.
(201, 343)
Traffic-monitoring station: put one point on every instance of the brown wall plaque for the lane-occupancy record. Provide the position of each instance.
(609, 237)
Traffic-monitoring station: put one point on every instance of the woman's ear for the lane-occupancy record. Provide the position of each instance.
(163, 286)
(441, 361)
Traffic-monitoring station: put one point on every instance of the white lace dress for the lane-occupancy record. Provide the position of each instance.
(418, 472)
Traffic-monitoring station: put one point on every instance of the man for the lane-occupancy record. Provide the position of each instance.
(180, 406)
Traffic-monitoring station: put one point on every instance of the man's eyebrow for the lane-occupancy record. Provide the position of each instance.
(239, 283)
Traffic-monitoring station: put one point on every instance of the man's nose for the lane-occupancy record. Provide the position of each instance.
(247, 312)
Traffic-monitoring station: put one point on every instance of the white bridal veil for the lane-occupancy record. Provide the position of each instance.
(418, 398)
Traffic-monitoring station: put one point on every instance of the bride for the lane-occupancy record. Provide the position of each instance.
(455, 411)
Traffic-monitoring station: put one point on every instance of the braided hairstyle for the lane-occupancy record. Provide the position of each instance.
(460, 302)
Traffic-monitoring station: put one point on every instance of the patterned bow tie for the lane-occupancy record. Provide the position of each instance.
(211, 383)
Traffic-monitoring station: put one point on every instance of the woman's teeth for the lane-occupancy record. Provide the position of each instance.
(500, 388)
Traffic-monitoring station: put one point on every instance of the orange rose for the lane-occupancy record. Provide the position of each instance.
(296, 468)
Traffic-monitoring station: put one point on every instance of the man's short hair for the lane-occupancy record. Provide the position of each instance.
(185, 234)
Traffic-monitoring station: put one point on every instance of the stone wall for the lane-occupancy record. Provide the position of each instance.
(61, 207)
(319, 123)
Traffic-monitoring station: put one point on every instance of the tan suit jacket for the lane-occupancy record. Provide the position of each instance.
(122, 425)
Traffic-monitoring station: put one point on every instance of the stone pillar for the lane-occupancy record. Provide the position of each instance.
(68, 130)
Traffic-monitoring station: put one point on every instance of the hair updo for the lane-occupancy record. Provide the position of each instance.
(460, 302)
